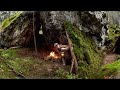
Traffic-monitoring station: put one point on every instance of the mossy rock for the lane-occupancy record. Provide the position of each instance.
(108, 70)
(10, 20)
(114, 34)
(84, 45)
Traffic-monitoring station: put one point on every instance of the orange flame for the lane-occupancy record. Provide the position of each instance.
(52, 54)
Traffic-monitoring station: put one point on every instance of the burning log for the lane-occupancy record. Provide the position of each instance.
(52, 56)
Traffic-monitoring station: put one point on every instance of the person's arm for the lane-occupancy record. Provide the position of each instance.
(64, 47)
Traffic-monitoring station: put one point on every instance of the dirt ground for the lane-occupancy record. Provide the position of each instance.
(45, 68)
(109, 58)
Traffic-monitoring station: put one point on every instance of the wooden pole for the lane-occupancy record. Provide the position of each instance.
(34, 35)
(74, 60)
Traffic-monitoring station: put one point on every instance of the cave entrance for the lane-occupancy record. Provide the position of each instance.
(44, 49)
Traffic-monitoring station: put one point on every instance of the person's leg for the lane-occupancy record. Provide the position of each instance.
(63, 60)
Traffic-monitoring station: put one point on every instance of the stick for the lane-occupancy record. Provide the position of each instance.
(74, 60)
(34, 37)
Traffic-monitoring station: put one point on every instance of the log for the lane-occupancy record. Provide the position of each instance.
(74, 64)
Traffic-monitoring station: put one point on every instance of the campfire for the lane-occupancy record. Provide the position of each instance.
(53, 55)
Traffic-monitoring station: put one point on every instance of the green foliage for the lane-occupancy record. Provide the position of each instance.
(9, 54)
(109, 69)
(22, 65)
(9, 20)
(62, 74)
(83, 42)
(114, 33)
(29, 66)
(5, 72)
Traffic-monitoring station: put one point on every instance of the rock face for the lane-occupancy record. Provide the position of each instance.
(53, 24)
(114, 17)
(95, 23)
(20, 31)
(6, 14)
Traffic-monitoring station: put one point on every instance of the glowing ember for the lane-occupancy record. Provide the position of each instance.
(56, 57)
(62, 54)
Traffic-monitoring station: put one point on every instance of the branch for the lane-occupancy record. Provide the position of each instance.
(74, 60)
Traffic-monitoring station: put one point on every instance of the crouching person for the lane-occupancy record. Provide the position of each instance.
(60, 50)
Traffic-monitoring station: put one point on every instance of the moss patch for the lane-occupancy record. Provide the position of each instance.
(9, 20)
(9, 54)
(85, 51)
(31, 67)
(62, 74)
(114, 33)
(6, 73)
(109, 69)
(24, 65)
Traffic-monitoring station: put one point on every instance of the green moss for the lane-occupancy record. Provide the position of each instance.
(22, 65)
(113, 30)
(62, 74)
(6, 72)
(29, 66)
(114, 33)
(84, 45)
(9, 54)
(109, 69)
(9, 20)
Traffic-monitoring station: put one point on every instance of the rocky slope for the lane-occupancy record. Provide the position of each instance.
(89, 32)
